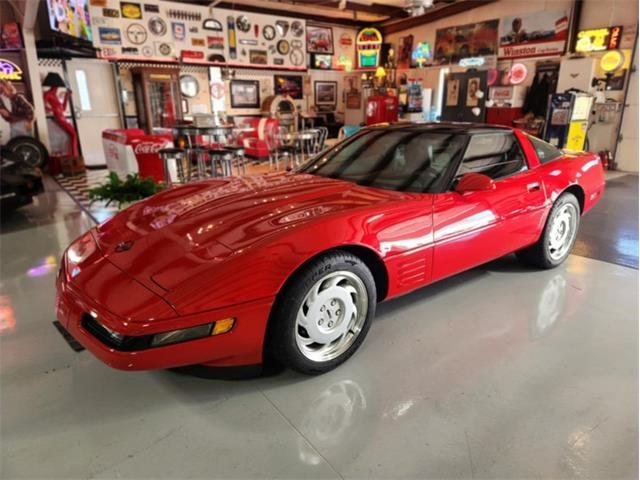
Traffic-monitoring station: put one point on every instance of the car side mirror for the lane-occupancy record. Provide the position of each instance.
(474, 182)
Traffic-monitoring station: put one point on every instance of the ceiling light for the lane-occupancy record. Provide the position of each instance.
(418, 7)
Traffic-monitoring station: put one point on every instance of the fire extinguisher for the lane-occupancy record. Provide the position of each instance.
(606, 159)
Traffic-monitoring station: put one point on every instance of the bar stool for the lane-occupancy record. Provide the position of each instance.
(238, 153)
(175, 156)
(199, 153)
(224, 158)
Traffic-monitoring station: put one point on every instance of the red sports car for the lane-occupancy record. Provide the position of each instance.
(290, 266)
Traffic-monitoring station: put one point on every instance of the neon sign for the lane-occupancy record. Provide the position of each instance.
(344, 62)
(612, 61)
(422, 54)
(369, 45)
(598, 39)
(10, 71)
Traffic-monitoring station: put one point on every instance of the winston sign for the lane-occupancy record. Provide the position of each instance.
(533, 35)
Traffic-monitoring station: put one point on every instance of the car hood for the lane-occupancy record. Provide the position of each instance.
(181, 232)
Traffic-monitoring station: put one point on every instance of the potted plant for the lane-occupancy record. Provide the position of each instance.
(124, 192)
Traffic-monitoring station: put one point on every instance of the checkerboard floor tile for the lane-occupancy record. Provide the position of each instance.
(78, 188)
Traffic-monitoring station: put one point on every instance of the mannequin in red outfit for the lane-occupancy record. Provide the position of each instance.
(57, 108)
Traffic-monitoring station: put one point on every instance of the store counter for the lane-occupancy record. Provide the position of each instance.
(133, 151)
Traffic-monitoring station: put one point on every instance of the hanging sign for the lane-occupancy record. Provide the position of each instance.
(599, 39)
(369, 45)
(10, 71)
(472, 62)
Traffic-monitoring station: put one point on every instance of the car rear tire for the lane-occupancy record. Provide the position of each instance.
(323, 314)
(559, 235)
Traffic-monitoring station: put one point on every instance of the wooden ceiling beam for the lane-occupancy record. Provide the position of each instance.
(432, 16)
(374, 9)
(348, 22)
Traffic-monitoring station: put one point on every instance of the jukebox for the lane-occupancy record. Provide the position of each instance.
(282, 108)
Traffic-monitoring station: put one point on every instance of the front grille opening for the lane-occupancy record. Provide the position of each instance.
(126, 344)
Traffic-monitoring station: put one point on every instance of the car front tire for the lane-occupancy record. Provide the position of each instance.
(559, 235)
(323, 314)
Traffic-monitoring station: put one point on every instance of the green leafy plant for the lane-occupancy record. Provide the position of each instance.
(125, 191)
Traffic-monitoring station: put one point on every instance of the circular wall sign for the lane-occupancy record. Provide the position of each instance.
(268, 32)
(164, 49)
(136, 34)
(297, 29)
(283, 47)
(243, 23)
(612, 61)
(296, 57)
(189, 86)
(518, 73)
(157, 26)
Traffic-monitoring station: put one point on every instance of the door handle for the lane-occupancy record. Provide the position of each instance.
(533, 187)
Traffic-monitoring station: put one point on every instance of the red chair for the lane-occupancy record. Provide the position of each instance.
(259, 142)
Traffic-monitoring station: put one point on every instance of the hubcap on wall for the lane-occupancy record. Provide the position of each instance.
(331, 316)
(563, 231)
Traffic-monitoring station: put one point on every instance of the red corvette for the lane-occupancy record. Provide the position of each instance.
(290, 266)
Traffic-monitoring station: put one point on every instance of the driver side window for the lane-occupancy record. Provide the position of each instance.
(496, 155)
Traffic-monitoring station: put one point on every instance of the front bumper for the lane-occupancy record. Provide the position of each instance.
(241, 346)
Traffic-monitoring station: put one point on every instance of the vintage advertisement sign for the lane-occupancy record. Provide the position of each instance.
(109, 36)
(534, 35)
(471, 40)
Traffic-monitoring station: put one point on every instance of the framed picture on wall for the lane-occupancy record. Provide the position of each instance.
(319, 39)
(321, 62)
(245, 93)
(325, 93)
(453, 91)
(288, 85)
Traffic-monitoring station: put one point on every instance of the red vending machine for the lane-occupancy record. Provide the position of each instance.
(381, 109)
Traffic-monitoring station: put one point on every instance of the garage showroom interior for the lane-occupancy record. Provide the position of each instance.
(319, 239)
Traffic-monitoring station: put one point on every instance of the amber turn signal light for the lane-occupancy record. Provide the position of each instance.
(223, 326)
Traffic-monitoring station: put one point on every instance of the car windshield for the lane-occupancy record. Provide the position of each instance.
(407, 160)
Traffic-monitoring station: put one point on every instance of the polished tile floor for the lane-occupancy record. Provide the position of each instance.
(500, 372)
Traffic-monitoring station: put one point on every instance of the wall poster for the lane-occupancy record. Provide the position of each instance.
(533, 35)
(471, 40)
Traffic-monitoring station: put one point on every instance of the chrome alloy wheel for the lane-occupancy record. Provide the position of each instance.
(563, 231)
(331, 316)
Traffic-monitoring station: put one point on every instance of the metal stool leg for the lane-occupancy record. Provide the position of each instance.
(228, 165)
(215, 158)
(202, 166)
(167, 176)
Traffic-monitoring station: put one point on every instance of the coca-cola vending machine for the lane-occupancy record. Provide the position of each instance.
(131, 151)
(382, 109)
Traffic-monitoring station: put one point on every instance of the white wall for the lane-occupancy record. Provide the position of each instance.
(605, 13)
(627, 153)
(602, 13)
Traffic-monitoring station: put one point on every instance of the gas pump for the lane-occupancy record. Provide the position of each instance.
(568, 120)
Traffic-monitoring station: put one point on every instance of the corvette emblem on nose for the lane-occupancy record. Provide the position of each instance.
(124, 246)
